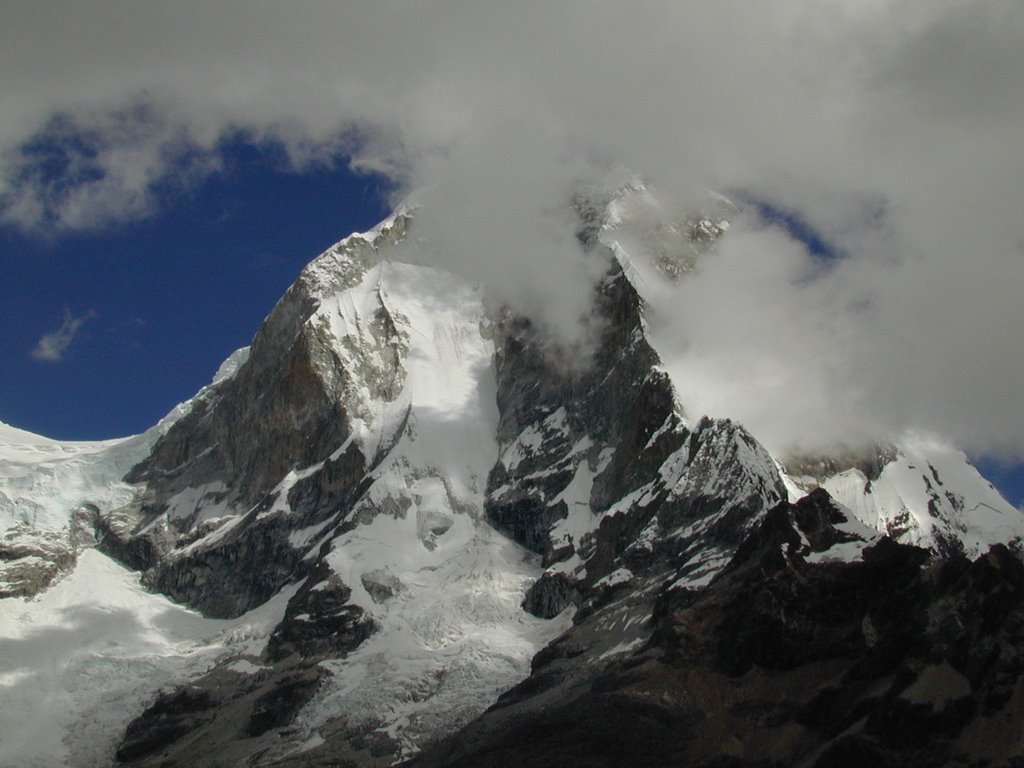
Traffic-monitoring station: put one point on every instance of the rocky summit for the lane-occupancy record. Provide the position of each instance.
(401, 529)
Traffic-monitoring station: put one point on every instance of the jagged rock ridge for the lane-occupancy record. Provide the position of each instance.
(587, 461)
(894, 659)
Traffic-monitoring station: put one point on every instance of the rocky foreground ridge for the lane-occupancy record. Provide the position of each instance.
(895, 659)
(450, 518)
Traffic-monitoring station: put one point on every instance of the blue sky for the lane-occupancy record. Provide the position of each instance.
(163, 300)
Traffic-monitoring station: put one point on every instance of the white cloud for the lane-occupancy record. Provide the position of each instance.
(896, 130)
(52, 346)
(94, 168)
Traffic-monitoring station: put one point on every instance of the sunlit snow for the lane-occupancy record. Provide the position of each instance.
(77, 663)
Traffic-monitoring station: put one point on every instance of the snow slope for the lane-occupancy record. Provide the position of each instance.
(80, 661)
(448, 382)
(444, 587)
(41, 479)
(932, 496)
(451, 639)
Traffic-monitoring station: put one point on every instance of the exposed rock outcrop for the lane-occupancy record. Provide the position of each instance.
(895, 659)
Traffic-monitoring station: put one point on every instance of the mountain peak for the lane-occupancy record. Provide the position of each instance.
(396, 505)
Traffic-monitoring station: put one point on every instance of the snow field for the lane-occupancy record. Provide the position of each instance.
(88, 655)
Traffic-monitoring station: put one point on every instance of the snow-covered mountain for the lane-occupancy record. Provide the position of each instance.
(397, 506)
(922, 492)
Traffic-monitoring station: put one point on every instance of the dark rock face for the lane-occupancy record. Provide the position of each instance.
(239, 572)
(168, 719)
(236, 713)
(29, 564)
(617, 421)
(116, 538)
(278, 707)
(320, 621)
(551, 594)
(221, 719)
(612, 408)
(287, 407)
(894, 660)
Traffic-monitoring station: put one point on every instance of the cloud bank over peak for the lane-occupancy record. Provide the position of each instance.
(894, 131)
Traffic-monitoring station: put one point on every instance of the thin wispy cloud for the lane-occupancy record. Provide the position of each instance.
(894, 131)
(52, 346)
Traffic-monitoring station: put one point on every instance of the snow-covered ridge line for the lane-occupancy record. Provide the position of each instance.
(926, 493)
(42, 479)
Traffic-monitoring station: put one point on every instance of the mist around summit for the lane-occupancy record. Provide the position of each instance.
(891, 133)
